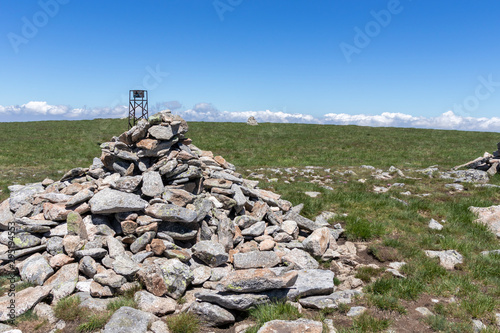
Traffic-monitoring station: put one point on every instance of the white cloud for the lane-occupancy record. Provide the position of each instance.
(208, 112)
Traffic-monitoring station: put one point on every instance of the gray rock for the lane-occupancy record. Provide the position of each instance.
(161, 132)
(424, 311)
(24, 195)
(255, 280)
(201, 274)
(82, 196)
(176, 231)
(140, 243)
(256, 259)
(21, 240)
(211, 253)
(36, 269)
(177, 277)
(211, 314)
(172, 213)
(26, 299)
(63, 282)
(109, 278)
(97, 304)
(329, 301)
(110, 201)
(356, 311)
(240, 302)
(44, 311)
(312, 282)
(115, 247)
(448, 259)
(55, 245)
(96, 253)
(435, 225)
(59, 231)
(317, 242)
(6, 215)
(159, 306)
(477, 325)
(23, 252)
(290, 227)
(292, 326)
(129, 320)
(301, 259)
(127, 184)
(255, 230)
(125, 266)
(152, 185)
(88, 266)
(23, 211)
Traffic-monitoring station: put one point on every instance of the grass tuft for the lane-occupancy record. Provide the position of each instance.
(67, 308)
(273, 311)
(185, 322)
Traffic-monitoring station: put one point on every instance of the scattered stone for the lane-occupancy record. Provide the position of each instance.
(435, 225)
(424, 311)
(448, 259)
(356, 311)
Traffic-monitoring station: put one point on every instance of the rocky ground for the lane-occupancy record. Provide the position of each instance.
(184, 232)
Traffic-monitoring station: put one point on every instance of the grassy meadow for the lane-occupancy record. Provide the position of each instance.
(393, 225)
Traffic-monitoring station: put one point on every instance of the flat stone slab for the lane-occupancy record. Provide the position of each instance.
(211, 314)
(172, 213)
(110, 201)
(301, 259)
(240, 302)
(211, 253)
(329, 301)
(312, 282)
(448, 259)
(255, 280)
(25, 300)
(292, 326)
(256, 259)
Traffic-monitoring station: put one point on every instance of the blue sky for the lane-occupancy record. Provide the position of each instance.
(381, 63)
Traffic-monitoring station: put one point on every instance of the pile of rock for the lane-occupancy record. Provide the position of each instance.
(488, 162)
(155, 208)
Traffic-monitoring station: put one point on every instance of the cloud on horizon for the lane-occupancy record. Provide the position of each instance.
(208, 112)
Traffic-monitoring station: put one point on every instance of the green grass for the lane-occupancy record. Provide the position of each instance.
(67, 308)
(185, 322)
(273, 311)
(393, 231)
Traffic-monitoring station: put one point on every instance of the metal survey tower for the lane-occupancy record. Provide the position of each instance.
(137, 104)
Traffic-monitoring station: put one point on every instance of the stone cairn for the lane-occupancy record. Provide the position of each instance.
(488, 162)
(158, 212)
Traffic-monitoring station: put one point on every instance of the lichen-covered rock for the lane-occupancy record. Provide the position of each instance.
(172, 213)
(211, 253)
(36, 269)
